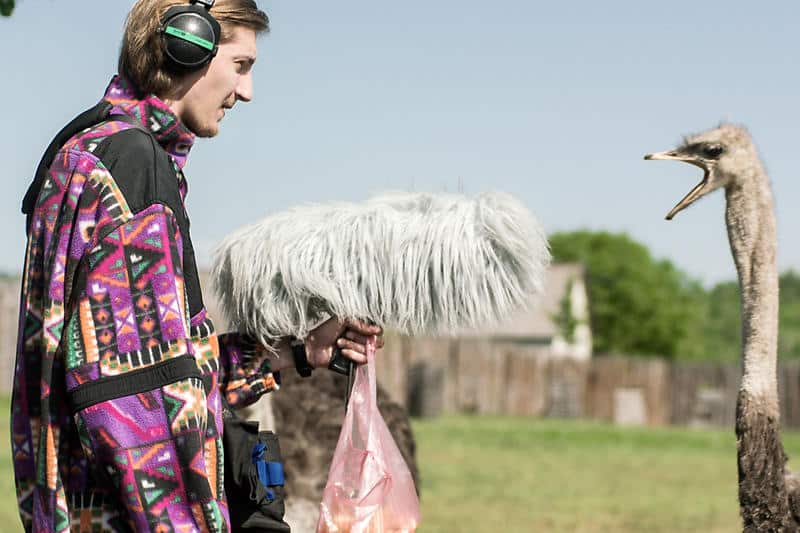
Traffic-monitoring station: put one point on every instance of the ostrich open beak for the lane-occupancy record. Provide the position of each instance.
(700, 189)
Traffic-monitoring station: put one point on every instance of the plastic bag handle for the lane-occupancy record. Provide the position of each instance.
(363, 425)
(373, 379)
(342, 365)
(370, 369)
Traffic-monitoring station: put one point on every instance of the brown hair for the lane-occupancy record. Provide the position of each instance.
(141, 57)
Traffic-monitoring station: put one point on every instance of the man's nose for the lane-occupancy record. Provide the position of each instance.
(244, 89)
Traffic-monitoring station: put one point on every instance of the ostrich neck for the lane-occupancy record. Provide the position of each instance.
(751, 231)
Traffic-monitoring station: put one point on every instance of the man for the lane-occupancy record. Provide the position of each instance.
(120, 377)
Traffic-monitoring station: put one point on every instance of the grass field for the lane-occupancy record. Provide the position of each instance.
(522, 475)
(506, 475)
(518, 475)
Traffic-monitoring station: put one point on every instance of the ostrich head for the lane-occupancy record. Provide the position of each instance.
(721, 152)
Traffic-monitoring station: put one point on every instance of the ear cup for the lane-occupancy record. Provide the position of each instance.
(190, 35)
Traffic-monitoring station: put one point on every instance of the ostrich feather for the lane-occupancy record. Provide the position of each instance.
(416, 263)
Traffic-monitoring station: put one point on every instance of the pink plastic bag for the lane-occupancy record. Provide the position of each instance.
(369, 489)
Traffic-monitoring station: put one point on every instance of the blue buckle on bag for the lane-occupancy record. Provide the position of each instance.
(270, 473)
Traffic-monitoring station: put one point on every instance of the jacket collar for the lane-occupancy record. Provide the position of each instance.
(154, 114)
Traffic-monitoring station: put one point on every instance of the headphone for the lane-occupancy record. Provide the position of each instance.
(190, 35)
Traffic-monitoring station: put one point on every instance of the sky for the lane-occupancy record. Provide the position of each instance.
(555, 103)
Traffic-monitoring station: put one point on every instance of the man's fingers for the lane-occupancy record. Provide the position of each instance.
(356, 336)
(355, 356)
(351, 345)
(362, 327)
(363, 339)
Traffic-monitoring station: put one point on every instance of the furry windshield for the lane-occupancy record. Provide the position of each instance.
(414, 263)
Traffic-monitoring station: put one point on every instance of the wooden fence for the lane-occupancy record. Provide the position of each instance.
(477, 376)
(432, 376)
(9, 318)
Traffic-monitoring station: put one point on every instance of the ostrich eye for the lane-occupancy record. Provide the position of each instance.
(713, 151)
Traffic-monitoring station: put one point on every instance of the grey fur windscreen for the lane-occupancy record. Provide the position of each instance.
(414, 263)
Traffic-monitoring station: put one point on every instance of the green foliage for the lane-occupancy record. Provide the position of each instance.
(638, 305)
(789, 317)
(565, 318)
(722, 324)
(6, 7)
(722, 328)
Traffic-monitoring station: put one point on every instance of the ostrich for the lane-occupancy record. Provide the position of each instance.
(308, 416)
(768, 492)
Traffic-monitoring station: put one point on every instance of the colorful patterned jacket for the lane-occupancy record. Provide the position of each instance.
(116, 416)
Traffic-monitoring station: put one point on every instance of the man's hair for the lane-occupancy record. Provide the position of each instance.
(141, 57)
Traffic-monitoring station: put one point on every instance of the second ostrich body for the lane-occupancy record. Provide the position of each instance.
(768, 493)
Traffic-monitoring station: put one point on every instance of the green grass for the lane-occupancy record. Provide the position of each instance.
(523, 475)
(506, 475)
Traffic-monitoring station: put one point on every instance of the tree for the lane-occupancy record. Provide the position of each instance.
(722, 335)
(789, 315)
(565, 318)
(723, 323)
(6, 7)
(638, 305)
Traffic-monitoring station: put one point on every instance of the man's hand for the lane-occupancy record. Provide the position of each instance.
(353, 344)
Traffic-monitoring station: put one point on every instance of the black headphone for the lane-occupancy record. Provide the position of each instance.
(190, 35)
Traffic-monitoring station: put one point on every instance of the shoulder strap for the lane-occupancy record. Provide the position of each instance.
(91, 117)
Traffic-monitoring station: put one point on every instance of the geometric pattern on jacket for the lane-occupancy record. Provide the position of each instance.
(119, 378)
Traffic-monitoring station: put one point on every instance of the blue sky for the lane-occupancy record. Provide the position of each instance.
(553, 102)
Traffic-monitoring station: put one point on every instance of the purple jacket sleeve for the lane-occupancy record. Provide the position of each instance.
(244, 370)
(145, 423)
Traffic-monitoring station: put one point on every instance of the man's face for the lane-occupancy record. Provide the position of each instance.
(226, 79)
